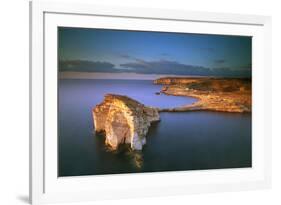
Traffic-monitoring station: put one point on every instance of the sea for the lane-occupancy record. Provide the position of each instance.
(181, 141)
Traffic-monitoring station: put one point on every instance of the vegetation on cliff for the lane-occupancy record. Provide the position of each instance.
(214, 94)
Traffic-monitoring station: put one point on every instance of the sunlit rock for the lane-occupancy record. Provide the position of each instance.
(123, 120)
(213, 94)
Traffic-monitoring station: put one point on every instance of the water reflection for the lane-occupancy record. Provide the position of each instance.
(134, 157)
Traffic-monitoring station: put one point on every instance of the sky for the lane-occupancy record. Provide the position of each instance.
(143, 52)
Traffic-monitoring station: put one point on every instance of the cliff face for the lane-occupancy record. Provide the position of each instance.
(213, 94)
(174, 80)
(208, 84)
(123, 120)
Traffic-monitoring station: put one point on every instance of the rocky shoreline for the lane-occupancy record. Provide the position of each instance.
(213, 94)
(124, 120)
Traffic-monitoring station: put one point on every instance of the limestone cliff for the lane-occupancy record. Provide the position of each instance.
(213, 94)
(174, 80)
(123, 120)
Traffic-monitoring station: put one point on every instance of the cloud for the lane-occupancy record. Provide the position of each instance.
(166, 67)
(128, 57)
(141, 66)
(125, 56)
(219, 61)
(175, 68)
(87, 66)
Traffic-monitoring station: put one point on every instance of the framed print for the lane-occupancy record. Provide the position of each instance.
(129, 102)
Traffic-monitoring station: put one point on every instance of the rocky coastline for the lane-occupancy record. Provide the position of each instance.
(123, 120)
(213, 94)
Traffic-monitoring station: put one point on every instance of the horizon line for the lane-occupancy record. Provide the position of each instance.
(117, 76)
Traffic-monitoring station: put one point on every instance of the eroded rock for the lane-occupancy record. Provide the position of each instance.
(213, 94)
(124, 120)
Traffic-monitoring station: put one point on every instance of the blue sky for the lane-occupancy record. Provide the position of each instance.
(101, 50)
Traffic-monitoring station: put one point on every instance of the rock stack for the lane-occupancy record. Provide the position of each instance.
(124, 120)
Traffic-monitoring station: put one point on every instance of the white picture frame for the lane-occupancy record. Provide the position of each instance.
(46, 187)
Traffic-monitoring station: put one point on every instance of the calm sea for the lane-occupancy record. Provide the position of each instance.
(180, 141)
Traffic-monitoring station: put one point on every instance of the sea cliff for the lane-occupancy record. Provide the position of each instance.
(124, 120)
(213, 94)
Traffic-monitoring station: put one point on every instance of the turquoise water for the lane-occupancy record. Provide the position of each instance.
(180, 141)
